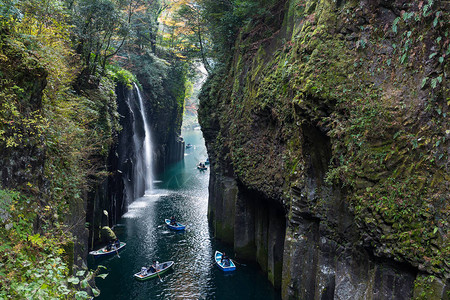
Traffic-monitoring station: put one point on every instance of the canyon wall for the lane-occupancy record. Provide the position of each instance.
(125, 182)
(328, 138)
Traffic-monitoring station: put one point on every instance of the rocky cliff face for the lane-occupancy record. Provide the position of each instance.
(163, 104)
(328, 140)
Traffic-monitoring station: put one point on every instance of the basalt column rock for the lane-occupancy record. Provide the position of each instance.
(331, 120)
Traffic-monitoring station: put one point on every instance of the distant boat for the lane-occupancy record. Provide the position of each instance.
(147, 274)
(201, 168)
(178, 226)
(188, 146)
(103, 252)
(207, 161)
(230, 266)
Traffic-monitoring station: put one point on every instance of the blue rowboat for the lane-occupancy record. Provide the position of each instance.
(145, 274)
(103, 252)
(230, 266)
(178, 226)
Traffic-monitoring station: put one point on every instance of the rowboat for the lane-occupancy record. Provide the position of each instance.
(103, 252)
(145, 273)
(202, 168)
(178, 226)
(224, 266)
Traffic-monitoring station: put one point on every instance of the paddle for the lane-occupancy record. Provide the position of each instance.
(244, 265)
(159, 277)
(156, 271)
(117, 252)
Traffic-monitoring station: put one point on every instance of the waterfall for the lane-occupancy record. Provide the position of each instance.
(146, 155)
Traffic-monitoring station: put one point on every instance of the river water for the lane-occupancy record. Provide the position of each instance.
(181, 191)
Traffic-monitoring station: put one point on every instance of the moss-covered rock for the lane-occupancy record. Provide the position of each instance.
(341, 116)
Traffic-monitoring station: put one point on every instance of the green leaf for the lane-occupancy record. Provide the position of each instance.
(433, 83)
(441, 59)
(435, 21)
(437, 143)
(102, 275)
(73, 280)
(432, 55)
(96, 292)
(425, 9)
(84, 284)
(394, 25)
(403, 58)
(81, 295)
(80, 273)
(435, 230)
(424, 81)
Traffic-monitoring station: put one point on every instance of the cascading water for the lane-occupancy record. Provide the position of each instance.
(144, 160)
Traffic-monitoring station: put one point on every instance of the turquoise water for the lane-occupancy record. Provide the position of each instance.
(181, 191)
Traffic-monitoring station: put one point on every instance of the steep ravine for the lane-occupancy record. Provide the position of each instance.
(124, 183)
(328, 135)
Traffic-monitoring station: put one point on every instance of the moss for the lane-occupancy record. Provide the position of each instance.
(275, 276)
(428, 287)
(69, 255)
(224, 232)
(388, 152)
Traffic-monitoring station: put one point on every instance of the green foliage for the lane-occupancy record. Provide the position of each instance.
(101, 27)
(17, 128)
(424, 288)
(224, 19)
(121, 75)
(33, 265)
(62, 138)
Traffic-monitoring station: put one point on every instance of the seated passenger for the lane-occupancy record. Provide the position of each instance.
(225, 260)
(154, 267)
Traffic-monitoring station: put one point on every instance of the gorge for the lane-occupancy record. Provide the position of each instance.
(326, 127)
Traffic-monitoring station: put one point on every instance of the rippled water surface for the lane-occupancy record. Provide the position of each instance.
(181, 191)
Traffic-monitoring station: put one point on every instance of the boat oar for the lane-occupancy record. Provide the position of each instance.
(159, 277)
(244, 265)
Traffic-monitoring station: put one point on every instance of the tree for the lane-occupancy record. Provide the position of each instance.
(195, 26)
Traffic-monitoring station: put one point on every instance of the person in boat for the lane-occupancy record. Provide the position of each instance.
(154, 267)
(225, 260)
(173, 221)
(116, 243)
(144, 271)
(109, 237)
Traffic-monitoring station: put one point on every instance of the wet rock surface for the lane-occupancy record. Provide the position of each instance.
(315, 123)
